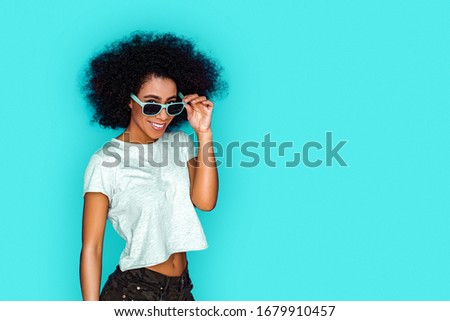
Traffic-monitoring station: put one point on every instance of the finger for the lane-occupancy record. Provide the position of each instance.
(197, 100)
(208, 103)
(189, 97)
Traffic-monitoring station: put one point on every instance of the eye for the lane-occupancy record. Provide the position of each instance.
(150, 101)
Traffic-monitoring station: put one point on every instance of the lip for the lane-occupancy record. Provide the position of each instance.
(157, 128)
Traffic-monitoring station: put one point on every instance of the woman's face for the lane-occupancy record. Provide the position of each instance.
(145, 128)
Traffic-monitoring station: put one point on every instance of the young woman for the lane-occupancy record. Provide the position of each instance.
(148, 181)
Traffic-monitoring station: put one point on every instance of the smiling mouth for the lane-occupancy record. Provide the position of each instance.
(157, 126)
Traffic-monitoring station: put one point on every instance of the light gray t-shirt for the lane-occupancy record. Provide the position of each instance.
(149, 197)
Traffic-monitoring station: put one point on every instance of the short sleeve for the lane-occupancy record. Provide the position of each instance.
(98, 177)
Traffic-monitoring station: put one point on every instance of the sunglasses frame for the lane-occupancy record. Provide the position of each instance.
(162, 106)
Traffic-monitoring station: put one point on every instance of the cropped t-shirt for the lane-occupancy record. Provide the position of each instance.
(148, 189)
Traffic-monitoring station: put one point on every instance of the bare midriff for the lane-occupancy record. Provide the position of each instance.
(174, 266)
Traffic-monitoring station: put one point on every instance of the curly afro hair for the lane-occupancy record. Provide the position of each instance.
(125, 65)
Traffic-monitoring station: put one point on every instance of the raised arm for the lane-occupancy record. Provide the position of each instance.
(202, 169)
(94, 221)
(203, 174)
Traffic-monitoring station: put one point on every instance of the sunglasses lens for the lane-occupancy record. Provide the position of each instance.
(151, 109)
(175, 108)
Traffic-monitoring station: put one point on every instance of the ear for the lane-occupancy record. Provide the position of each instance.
(131, 104)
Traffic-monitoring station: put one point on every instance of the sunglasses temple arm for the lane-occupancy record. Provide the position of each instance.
(180, 94)
(134, 97)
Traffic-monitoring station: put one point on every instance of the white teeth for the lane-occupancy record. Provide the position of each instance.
(157, 125)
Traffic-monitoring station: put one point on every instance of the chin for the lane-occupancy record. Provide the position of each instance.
(154, 135)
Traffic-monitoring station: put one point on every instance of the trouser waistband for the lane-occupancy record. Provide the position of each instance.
(149, 276)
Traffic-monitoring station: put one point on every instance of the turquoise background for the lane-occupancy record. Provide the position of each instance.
(375, 73)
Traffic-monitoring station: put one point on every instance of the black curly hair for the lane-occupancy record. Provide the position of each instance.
(125, 65)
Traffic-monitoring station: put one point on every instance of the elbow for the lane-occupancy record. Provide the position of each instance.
(92, 249)
(205, 206)
(204, 200)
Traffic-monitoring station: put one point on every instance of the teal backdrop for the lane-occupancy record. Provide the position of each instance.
(375, 74)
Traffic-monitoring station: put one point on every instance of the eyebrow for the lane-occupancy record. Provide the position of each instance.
(159, 98)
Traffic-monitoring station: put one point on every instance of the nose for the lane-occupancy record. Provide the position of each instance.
(163, 115)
